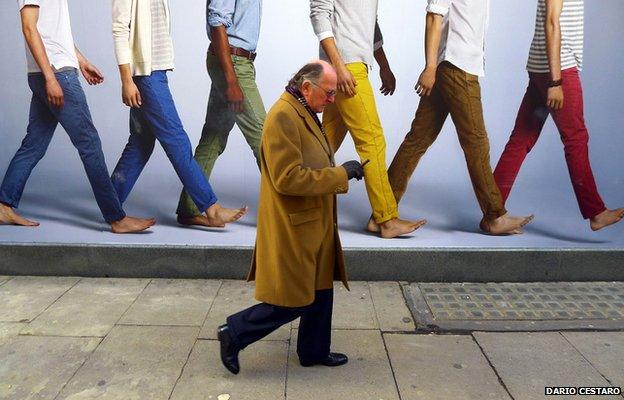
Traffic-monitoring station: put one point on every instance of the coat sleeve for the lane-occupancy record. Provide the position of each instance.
(281, 150)
(122, 10)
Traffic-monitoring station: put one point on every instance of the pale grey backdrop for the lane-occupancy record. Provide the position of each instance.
(58, 191)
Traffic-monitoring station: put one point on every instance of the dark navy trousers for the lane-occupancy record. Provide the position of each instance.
(314, 339)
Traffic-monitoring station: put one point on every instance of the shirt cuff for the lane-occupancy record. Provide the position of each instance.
(325, 35)
(25, 3)
(217, 20)
(437, 9)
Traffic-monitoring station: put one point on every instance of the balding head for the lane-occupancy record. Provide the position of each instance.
(317, 82)
(328, 69)
(313, 72)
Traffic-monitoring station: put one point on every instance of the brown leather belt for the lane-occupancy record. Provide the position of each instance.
(237, 51)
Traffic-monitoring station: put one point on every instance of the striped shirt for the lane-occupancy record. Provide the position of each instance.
(162, 46)
(571, 21)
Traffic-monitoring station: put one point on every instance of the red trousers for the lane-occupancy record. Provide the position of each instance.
(571, 125)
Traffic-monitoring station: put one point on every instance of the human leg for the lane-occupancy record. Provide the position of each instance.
(41, 126)
(159, 111)
(529, 123)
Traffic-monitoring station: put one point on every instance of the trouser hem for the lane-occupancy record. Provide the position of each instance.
(380, 219)
(114, 218)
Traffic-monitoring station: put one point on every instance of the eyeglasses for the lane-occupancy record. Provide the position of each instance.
(328, 93)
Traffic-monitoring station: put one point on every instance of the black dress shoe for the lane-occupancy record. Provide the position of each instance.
(229, 351)
(332, 360)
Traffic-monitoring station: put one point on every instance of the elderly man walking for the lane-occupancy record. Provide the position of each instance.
(298, 253)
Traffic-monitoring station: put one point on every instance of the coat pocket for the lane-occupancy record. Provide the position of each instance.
(305, 216)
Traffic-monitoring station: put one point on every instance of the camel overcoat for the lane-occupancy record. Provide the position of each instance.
(297, 245)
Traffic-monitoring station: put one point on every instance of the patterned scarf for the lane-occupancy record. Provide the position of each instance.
(296, 93)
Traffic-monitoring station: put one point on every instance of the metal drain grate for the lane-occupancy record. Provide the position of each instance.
(511, 306)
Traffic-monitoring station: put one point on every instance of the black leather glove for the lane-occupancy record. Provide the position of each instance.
(354, 169)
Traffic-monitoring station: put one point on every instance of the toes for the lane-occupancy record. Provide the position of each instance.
(527, 220)
(418, 224)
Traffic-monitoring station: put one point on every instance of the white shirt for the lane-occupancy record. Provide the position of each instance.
(352, 24)
(55, 31)
(463, 32)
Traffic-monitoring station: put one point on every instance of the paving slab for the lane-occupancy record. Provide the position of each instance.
(233, 297)
(25, 297)
(367, 375)
(173, 302)
(39, 367)
(353, 309)
(8, 330)
(91, 308)
(431, 367)
(262, 376)
(4, 279)
(133, 363)
(528, 362)
(391, 310)
(604, 350)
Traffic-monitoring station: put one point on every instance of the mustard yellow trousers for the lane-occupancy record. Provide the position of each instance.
(358, 115)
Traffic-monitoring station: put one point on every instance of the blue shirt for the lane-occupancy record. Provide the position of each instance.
(241, 18)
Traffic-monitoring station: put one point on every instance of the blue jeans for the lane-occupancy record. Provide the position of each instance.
(75, 118)
(158, 119)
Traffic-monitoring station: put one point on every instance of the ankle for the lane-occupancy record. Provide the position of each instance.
(212, 211)
(389, 223)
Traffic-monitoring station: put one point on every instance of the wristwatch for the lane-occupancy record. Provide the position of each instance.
(556, 83)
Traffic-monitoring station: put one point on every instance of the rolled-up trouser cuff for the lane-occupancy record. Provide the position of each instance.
(384, 217)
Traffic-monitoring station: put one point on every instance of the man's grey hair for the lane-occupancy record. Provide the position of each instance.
(310, 72)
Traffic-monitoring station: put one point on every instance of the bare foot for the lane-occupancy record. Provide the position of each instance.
(373, 226)
(8, 216)
(397, 227)
(606, 218)
(199, 220)
(505, 225)
(218, 216)
(132, 225)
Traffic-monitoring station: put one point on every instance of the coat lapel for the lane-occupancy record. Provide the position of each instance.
(310, 122)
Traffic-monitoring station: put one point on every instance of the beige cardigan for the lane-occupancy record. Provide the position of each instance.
(132, 34)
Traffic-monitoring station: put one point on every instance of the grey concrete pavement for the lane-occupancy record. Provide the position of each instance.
(154, 339)
(527, 362)
(90, 308)
(23, 298)
(430, 367)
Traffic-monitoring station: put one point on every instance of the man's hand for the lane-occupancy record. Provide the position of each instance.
(346, 81)
(354, 169)
(235, 97)
(555, 98)
(92, 75)
(388, 81)
(131, 95)
(55, 93)
(425, 83)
